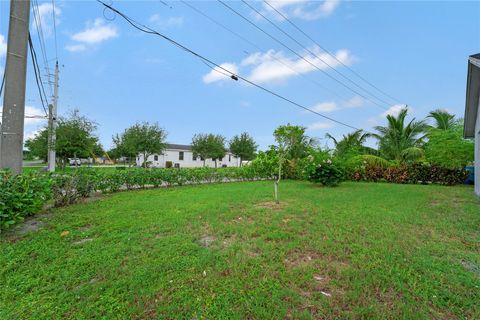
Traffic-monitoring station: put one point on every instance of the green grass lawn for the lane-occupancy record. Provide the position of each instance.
(223, 251)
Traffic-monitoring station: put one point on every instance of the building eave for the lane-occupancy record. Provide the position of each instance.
(472, 96)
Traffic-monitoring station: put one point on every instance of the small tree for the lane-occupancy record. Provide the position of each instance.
(243, 147)
(209, 146)
(38, 145)
(292, 143)
(448, 148)
(74, 137)
(141, 138)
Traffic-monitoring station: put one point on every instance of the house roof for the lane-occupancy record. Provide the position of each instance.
(473, 94)
(179, 146)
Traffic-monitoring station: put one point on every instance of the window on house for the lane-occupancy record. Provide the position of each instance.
(194, 157)
(180, 155)
(202, 158)
(214, 159)
(155, 158)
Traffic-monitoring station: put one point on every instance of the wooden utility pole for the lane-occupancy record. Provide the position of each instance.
(52, 124)
(11, 135)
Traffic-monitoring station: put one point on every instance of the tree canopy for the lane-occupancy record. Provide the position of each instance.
(141, 138)
(209, 146)
(399, 140)
(443, 119)
(243, 146)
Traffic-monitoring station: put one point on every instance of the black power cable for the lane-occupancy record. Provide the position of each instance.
(234, 76)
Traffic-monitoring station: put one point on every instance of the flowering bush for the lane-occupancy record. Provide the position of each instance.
(327, 173)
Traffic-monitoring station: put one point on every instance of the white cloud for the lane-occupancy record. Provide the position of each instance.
(45, 18)
(3, 46)
(75, 47)
(96, 32)
(322, 10)
(302, 9)
(354, 102)
(325, 107)
(395, 110)
(165, 23)
(275, 66)
(37, 113)
(320, 125)
(217, 74)
(31, 134)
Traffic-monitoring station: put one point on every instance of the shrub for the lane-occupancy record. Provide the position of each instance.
(327, 173)
(22, 195)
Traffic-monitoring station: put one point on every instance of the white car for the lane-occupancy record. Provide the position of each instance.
(74, 162)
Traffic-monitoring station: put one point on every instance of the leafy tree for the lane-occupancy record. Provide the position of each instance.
(351, 144)
(74, 137)
(399, 140)
(443, 119)
(292, 143)
(38, 145)
(447, 148)
(209, 146)
(243, 147)
(141, 138)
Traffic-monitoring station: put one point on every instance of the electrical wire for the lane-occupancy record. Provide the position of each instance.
(314, 54)
(300, 56)
(261, 49)
(55, 28)
(234, 76)
(41, 39)
(329, 53)
(36, 70)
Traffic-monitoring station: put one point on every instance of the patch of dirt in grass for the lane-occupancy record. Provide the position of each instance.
(29, 225)
(472, 267)
(92, 198)
(85, 228)
(272, 205)
(82, 241)
(297, 259)
(206, 240)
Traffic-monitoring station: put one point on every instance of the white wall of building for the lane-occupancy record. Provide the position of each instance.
(174, 155)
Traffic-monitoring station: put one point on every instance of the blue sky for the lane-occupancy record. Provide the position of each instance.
(415, 51)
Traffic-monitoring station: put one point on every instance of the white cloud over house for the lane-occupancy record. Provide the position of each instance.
(95, 32)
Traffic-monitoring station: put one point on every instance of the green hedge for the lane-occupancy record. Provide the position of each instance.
(26, 194)
(416, 173)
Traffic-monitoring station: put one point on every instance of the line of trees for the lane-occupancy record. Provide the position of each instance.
(76, 138)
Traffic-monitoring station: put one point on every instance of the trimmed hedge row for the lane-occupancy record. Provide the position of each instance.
(24, 195)
(416, 173)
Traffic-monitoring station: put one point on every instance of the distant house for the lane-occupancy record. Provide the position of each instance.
(472, 112)
(181, 156)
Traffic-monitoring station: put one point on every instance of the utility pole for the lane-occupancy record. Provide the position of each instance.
(52, 124)
(11, 135)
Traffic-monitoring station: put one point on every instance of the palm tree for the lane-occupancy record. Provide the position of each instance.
(443, 119)
(351, 143)
(400, 141)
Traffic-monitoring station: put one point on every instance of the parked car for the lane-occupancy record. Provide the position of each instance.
(75, 162)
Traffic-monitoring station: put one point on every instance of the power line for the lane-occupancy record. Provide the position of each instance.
(313, 53)
(54, 12)
(234, 76)
(261, 49)
(36, 70)
(298, 55)
(329, 53)
(41, 39)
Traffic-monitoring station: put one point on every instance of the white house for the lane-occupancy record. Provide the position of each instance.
(181, 156)
(472, 112)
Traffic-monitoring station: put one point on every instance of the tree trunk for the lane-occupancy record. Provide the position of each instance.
(215, 163)
(277, 182)
(240, 161)
(204, 162)
(145, 160)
